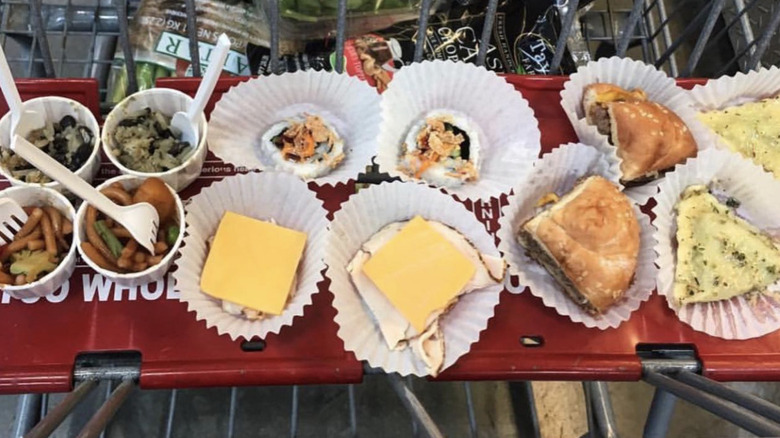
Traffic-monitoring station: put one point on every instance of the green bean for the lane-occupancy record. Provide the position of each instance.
(171, 234)
(114, 245)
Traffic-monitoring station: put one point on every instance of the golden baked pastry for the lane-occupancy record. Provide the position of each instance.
(589, 242)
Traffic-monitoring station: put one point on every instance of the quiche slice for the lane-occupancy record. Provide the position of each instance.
(719, 255)
(750, 129)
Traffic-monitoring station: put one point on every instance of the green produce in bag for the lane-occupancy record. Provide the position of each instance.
(161, 46)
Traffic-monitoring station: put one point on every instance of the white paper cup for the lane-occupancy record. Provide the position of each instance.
(55, 108)
(721, 93)
(166, 101)
(131, 279)
(251, 108)
(757, 191)
(509, 133)
(267, 195)
(360, 218)
(628, 74)
(43, 197)
(558, 172)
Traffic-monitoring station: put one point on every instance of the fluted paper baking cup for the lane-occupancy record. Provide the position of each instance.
(508, 132)
(757, 191)
(735, 90)
(265, 196)
(628, 74)
(558, 172)
(360, 218)
(251, 108)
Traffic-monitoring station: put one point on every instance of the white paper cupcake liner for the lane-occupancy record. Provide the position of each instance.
(509, 133)
(734, 90)
(757, 191)
(268, 195)
(728, 91)
(628, 74)
(558, 172)
(249, 109)
(359, 219)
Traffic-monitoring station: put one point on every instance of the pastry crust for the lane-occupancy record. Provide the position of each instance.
(650, 138)
(589, 242)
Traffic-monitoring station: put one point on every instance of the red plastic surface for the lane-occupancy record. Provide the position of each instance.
(84, 91)
(42, 339)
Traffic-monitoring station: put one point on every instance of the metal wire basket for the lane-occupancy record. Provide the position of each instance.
(78, 38)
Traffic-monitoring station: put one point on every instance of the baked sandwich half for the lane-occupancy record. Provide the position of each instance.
(588, 241)
(650, 138)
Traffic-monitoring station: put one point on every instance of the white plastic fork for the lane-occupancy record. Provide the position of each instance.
(141, 219)
(187, 122)
(22, 121)
(11, 213)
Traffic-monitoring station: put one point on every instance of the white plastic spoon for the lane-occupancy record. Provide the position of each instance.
(22, 121)
(141, 219)
(187, 122)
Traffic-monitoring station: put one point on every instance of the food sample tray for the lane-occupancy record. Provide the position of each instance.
(41, 340)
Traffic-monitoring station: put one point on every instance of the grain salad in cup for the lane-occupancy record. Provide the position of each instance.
(139, 140)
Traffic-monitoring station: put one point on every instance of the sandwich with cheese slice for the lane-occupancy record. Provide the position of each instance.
(649, 137)
(409, 274)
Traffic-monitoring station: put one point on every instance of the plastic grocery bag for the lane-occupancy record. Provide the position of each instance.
(160, 45)
(524, 38)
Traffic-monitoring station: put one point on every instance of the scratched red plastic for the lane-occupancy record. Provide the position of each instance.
(41, 340)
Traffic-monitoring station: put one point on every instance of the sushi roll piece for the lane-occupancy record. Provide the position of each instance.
(308, 147)
(442, 149)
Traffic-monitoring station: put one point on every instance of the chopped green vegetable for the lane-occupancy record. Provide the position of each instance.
(732, 202)
(32, 264)
(114, 245)
(171, 234)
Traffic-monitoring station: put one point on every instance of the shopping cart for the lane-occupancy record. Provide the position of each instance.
(168, 349)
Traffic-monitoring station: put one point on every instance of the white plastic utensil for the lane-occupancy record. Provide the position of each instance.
(22, 121)
(11, 213)
(186, 122)
(141, 219)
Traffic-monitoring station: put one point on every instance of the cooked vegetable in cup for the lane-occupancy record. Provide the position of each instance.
(110, 246)
(37, 248)
(67, 141)
(146, 142)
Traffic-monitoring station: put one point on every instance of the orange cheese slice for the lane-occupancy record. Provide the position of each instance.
(419, 271)
(252, 263)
